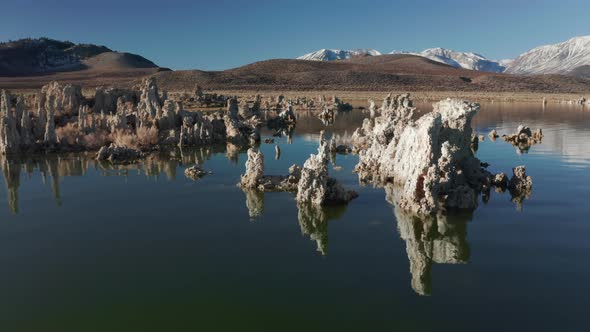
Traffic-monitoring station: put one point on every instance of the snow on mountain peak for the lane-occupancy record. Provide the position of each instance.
(466, 60)
(333, 54)
(560, 58)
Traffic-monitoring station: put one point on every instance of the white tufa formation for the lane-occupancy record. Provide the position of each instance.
(150, 102)
(254, 169)
(50, 137)
(430, 158)
(67, 98)
(315, 187)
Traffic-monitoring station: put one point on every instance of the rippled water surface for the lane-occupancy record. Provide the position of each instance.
(88, 247)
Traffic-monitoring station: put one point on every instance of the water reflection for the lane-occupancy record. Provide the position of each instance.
(54, 167)
(431, 239)
(313, 221)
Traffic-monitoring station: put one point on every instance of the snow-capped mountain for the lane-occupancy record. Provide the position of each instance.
(561, 58)
(466, 60)
(331, 55)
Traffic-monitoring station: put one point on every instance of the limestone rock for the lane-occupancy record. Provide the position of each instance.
(430, 158)
(500, 181)
(9, 136)
(524, 138)
(118, 154)
(195, 172)
(520, 185)
(493, 135)
(67, 98)
(232, 107)
(111, 100)
(254, 169)
(315, 187)
(150, 101)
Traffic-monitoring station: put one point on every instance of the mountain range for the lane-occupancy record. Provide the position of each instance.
(31, 63)
(571, 57)
(331, 55)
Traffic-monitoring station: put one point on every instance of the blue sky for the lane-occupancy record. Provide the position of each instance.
(221, 34)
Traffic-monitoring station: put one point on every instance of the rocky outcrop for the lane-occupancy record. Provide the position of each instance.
(67, 98)
(430, 157)
(327, 115)
(254, 169)
(232, 107)
(493, 134)
(285, 118)
(150, 101)
(26, 126)
(198, 129)
(254, 177)
(524, 138)
(110, 100)
(167, 119)
(520, 186)
(118, 154)
(50, 137)
(315, 187)
(9, 135)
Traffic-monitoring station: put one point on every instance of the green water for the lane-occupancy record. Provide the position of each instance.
(85, 247)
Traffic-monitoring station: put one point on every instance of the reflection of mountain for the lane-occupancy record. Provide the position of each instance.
(430, 239)
(54, 167)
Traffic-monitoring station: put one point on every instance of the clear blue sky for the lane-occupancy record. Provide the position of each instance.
(220, 34)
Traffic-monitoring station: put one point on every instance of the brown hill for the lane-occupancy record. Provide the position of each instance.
(30, 63)
(376, 73)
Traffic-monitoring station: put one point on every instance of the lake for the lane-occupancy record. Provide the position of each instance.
(91, 247)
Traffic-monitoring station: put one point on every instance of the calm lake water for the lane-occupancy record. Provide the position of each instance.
(86, 247)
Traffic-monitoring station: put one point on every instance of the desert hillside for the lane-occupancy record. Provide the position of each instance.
(31, 63)
(370, 73)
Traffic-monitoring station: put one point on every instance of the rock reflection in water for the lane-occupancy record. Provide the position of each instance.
(254, 202)
(56, 166)
(314, 219)
(430, 239)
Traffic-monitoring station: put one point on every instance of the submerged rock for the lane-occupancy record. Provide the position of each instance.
(195, 172)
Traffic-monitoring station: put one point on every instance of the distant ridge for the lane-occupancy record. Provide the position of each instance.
(332, 55)
(560, 58)
(571, 57)
(35, 56)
